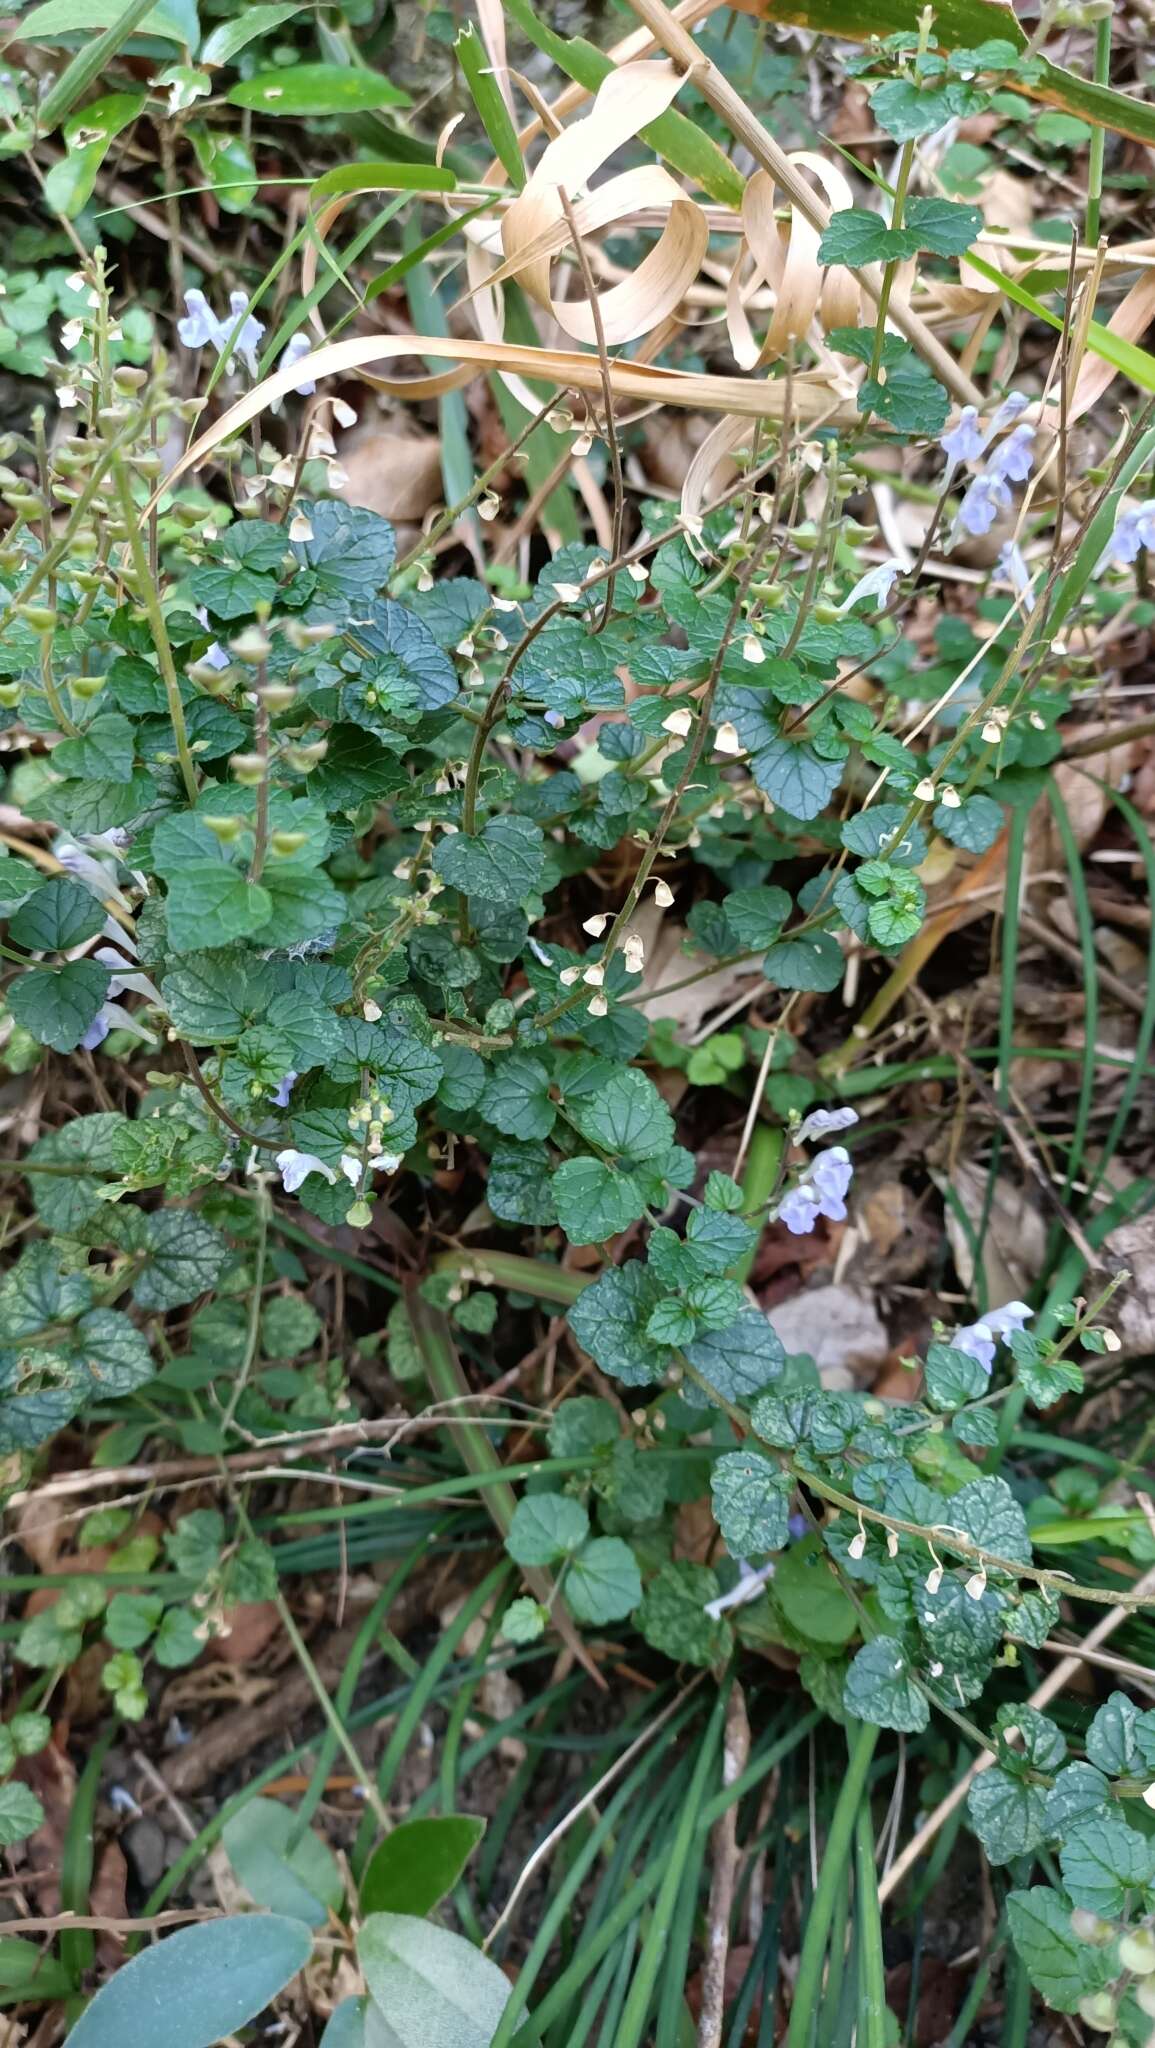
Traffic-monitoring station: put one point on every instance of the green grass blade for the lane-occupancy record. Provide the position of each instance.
(1086, 931)
(487, 98)
(1138, 1073)
(636, 2012)
(872, 2017)
(807, 2001)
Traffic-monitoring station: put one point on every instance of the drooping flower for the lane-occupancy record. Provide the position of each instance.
(986, 497)
(284, 1088)
(747, 1586)
(822, 1123)
(1012, 408)
(295, 1167)
(297, 346)
(877, 583)
(966, 441)
(1012, 567)
(1012, 458)
(97, 1031)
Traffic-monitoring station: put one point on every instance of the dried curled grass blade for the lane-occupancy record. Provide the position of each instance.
(648, 294)
(722, 97)
(750, 397)
(1131, 318)
(702, 481)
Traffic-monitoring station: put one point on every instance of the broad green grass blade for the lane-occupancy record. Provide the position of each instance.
(872, 2029)
(807, 2000)
(85, 68)
(1138, 1073)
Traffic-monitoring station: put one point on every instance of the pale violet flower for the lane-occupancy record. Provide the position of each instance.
(1013, 568)
(877, 583)
(284, 1088)
(1012, 408)
(820, 1191)
(1134, 529)
(200, 327)
(114, 1017)
(97, 1031)
(298, 345)
(822, 1123)
(986, 497)
(799, 1210)
(966, 441)
(979, 1340)
(215, 656)
(247, 340)
(126, 975)
(200, 324)
(1012, 458)
(295, 1167)
(747, 1586)
(830, 1174)
(1005, 1321)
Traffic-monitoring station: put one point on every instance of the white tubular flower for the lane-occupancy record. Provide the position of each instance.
(295, 1167)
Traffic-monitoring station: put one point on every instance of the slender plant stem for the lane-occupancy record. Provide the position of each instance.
(146, 591)
(1102, 76)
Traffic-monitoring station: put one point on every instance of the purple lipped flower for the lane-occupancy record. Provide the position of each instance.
(1005, 1321)
(97, 1031)
(986, 497)
(877, 583)
(979, 1340)
(821, 1123)
(831, 1174)
(746, 1587)
(1012, 458)
(297, 346)
(284, 1088)
(799, 1210)
(1012, 408)
(798, 1527)
(200, 324)
(978, 1343)
(1134, 529)
(965, 441)
(1013, 568)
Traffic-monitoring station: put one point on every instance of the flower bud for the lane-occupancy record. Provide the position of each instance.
(277, 696)
(251, 646)
(226, 829)
(40, 617)
(301, 636)
(1088, 1927)
(127, 377)
(216, 681)
(304, 759)
(1137, 1951)
(359, 1216)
